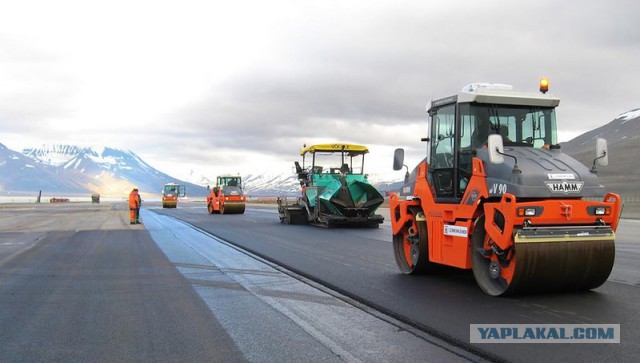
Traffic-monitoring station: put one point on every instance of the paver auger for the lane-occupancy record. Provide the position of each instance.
(495, 194)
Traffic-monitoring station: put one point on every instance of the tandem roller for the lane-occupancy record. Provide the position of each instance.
(227, 196)
(497, 195)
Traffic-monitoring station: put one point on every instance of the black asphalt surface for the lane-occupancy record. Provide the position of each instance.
(95, 294)
(360, 264)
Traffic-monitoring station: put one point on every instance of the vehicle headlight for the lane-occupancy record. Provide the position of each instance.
(529, 211)
(599, 210)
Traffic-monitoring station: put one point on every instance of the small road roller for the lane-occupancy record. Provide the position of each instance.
(170, 194)
(227, 196)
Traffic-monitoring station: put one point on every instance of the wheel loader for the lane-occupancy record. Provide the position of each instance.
(227, 196)
(171, 193)
(335, 190)
(496, 194)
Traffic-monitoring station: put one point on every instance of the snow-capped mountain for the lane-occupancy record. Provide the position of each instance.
(75, 169)
(623, 140)
(625, 126)
(108, 171)
(94, 160)
(21, 173)
(286, 184)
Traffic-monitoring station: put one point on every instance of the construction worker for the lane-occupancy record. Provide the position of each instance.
(134, 207)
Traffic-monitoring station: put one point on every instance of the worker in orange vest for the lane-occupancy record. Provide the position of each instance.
(134, 207)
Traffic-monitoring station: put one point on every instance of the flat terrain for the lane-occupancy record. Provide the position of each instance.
(79, 283)
(359, 263)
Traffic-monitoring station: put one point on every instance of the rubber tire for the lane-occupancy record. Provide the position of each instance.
(423, 265)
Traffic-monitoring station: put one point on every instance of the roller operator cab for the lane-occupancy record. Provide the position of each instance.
(227, 196)
(335, 191)
(496, 194)
(170, 194)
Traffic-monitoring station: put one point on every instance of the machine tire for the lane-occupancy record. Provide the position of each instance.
(210, 208)
(413, 258)
(221, 208)
(481, 264)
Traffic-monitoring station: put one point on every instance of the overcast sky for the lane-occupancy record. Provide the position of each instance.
(239, 86)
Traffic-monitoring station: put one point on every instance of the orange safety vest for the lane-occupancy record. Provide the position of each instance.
(134, 200)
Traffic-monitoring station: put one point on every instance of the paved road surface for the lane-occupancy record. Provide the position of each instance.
(359, 263)
(78, 283)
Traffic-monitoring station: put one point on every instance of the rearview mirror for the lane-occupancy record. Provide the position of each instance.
(602, 155)
(398, 159)
(496, 149)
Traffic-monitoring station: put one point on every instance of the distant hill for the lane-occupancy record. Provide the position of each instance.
(60, 169)
(81, 170)
(623, 139)
(22, 173)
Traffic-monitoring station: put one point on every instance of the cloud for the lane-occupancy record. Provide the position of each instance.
(222, 83)
(35, 90)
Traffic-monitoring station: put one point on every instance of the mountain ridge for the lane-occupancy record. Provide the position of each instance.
(80, 170)
(109, 171)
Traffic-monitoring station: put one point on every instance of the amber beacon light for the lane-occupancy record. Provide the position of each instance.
(544, 85)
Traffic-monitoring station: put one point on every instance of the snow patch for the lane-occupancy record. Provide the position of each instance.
(630, 115)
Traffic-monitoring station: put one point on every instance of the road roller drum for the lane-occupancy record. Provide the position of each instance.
(232, 208)
(557, 259)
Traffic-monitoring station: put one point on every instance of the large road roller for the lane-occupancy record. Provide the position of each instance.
(227, 196)
(496, 194)
(170, 194)
(335, 190)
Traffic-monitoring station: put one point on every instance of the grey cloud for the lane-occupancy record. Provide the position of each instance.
(379, 63)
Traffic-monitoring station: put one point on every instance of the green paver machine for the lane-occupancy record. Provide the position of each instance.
(335, 190)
